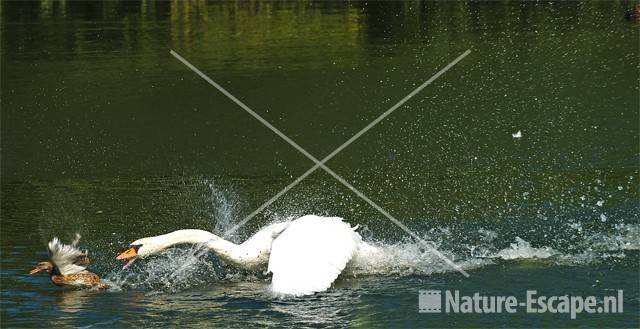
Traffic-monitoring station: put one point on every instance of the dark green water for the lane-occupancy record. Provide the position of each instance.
(104, 133)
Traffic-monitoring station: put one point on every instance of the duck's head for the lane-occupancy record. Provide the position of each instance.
(42, 267)
(139, 249)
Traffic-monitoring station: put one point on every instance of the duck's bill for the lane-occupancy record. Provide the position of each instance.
(42, 267)
(130, 255)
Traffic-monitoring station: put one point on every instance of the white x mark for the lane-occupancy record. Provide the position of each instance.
(321, 164)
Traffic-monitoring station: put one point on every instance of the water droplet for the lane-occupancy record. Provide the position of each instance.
(603, 218)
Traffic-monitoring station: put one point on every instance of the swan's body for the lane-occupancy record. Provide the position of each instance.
(310, 254)
(305, 255)
(67, 266)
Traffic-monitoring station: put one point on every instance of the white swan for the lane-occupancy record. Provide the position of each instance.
(305, 255)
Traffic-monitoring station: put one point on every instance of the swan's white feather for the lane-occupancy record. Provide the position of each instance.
(64, 256)
(253, 254)
(310, 254)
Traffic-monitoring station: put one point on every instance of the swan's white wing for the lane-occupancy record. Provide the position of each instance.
(67, 258)
(310, 254)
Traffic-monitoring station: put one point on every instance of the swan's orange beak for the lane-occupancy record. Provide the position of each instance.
(130, 254)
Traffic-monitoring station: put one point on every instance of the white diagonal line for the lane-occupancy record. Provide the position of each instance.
(245, 107)
(397, 105)
(395, 221)
(332, 154)
(354, 137)
(294, 144)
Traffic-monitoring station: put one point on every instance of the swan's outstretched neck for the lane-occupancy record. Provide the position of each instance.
(183, 237)
(247, 255)
(253, 254)
(225, 249)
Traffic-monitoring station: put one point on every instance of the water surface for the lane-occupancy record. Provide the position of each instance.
(106, 134)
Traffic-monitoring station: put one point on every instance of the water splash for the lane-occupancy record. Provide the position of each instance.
(470, 245)
(172, 270)
(179, 269)
(522, 249)
(225, 207)
(410, 258)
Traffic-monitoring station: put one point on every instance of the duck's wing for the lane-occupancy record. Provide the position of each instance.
(310, 254)
(67, 258)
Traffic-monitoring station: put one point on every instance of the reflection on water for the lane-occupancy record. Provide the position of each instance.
(92, 90)
(72, 301)
(105, 134)
(244, 36)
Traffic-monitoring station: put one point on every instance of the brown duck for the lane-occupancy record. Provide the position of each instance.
(67, 266)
